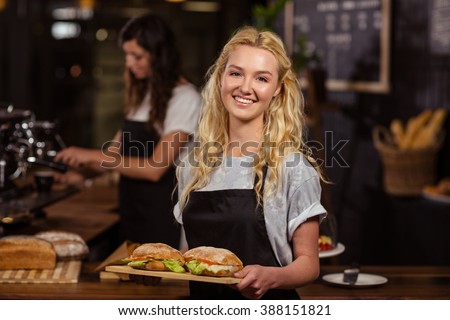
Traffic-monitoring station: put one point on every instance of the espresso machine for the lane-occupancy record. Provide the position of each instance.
(25, 146)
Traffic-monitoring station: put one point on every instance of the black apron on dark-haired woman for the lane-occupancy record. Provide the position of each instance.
(230, 219)
(146, 207)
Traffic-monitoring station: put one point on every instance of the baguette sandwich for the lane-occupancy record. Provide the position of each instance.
(26, 252)
(156, 257)
(211, 261)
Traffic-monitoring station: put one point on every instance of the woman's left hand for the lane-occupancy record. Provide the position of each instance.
(256, 280)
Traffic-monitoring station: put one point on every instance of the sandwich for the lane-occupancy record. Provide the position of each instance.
(211, 261)
(26, 252)
(156, 257)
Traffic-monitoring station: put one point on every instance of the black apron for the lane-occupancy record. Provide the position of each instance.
(146, 207)
(230, 219)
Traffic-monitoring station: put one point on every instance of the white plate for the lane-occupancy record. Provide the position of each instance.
(436, 197)
(333, 252)
(364, 280)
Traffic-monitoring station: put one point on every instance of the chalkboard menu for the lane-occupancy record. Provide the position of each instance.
(350, 37)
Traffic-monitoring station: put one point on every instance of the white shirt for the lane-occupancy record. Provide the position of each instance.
(297, 199)
(183, 110)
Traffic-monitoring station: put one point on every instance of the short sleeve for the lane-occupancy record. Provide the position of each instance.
(304, 204)
(183, 111)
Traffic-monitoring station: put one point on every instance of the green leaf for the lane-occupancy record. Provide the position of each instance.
(195, 267)
(265, 16)
(138, 264)
(173, 266)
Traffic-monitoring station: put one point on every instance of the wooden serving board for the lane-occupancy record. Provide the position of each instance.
(65, 272)
(126, 270)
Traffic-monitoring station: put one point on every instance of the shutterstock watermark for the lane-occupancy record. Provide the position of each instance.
(330, 150)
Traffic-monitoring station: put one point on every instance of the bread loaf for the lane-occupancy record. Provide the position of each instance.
(413, 128)
(26, 252)
(398, 131)
(68, 245)
(429, 133)
(420, 132)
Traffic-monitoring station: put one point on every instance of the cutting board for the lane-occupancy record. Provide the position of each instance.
(126, 270)
(65, 272)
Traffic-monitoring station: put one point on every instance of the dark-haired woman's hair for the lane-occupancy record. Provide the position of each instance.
(154, 35)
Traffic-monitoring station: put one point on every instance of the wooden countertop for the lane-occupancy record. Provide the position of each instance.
(405, 282)
(89, 213)
(90, 287)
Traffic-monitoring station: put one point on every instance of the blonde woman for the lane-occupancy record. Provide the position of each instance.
(249, 185)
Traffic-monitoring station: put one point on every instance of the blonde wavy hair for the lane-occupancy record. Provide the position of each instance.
(284, 121)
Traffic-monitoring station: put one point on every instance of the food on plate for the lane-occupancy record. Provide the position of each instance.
(211, 261)
(442, 188)
(156, 257)
(325, 243)
(68, 245)
(26, 252)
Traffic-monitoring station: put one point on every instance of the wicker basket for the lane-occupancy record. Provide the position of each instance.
(405, 172)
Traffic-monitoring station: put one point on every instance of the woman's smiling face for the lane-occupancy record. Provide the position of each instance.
(248, 84)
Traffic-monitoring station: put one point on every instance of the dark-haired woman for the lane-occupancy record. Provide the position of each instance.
(161, 111)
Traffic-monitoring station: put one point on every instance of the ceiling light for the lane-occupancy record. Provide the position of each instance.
(2, 4)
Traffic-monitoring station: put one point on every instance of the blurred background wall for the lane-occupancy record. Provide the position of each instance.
(60, 58)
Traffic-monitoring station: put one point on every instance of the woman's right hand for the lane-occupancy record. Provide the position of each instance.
(75, 157)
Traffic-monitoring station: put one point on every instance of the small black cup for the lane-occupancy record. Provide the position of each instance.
(44, 181)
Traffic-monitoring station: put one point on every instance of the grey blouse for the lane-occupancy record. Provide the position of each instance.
(297, 199)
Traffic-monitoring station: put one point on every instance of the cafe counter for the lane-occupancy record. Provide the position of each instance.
(403, 283)
(91, 214)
